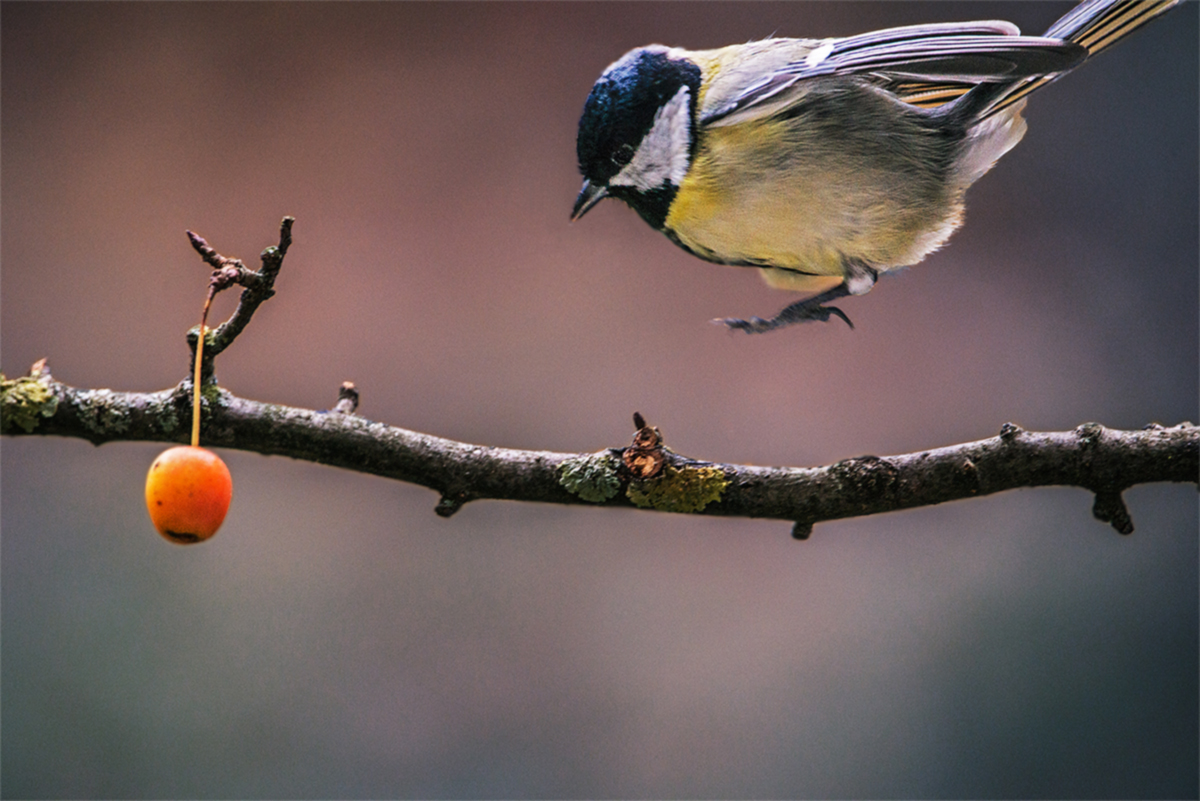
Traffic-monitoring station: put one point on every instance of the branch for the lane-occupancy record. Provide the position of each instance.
(259, 287)
(647, 474)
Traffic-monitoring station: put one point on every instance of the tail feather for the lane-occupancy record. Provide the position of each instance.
(1094, 24)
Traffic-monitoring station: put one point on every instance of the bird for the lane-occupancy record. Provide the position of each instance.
(824, 162)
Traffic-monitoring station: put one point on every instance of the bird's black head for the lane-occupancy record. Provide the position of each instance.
(635, 136)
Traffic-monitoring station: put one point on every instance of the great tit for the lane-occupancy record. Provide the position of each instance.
(824, 162)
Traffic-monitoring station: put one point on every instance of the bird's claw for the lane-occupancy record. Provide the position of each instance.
(792, 314)
(835, 310)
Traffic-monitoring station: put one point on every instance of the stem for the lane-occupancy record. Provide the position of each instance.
(196, 376)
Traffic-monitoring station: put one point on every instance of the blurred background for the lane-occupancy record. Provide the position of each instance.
(337, 639)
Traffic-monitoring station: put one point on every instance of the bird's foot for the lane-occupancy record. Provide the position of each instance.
(802, 312)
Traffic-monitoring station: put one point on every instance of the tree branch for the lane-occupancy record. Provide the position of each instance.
(646, 474)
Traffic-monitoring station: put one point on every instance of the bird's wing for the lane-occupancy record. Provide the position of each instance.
(921, 64)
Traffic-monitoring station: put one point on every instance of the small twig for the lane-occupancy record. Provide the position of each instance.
(347, 401)
(258, 287)
(1110, 508)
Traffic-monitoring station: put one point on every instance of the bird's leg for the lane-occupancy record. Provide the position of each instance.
(859, 277)
(799, 312)
(859, 280)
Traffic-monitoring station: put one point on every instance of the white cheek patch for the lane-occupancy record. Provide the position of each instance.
(662, 156)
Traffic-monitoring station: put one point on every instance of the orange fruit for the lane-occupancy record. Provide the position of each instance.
(188, 490)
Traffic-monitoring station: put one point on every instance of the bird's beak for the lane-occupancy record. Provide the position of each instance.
(589, 196)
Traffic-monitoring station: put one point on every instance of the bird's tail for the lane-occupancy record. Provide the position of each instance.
(1096, 24)
(991, 112)
(1093, 24)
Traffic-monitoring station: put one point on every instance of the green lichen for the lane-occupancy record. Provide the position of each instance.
(592, 477)
(102, 412)
(212, 393)
(24, 402)
(163, 416)
(685, 489)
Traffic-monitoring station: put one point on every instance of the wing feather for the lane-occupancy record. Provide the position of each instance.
(924, 64)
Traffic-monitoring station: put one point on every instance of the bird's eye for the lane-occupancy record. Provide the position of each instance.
(623, 155)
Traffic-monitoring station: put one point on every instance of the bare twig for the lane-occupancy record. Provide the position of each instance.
(347, 398)
(258, 287)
